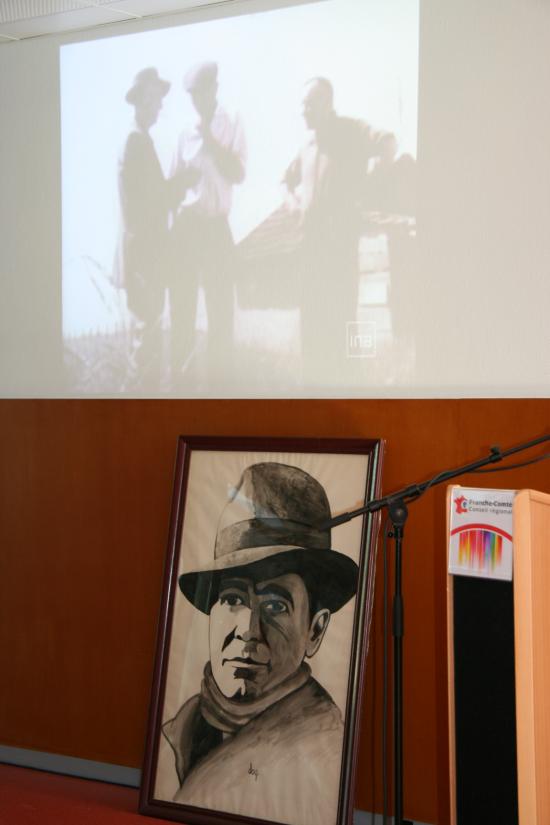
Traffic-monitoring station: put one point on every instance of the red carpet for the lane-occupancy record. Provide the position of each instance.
(29, 797)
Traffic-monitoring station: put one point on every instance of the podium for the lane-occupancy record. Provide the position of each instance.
(499, 681)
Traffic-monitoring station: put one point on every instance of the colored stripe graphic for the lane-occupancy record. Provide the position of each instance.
(482, 526)
(479, 549)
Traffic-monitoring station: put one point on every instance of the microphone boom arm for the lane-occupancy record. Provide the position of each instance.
(413, 491)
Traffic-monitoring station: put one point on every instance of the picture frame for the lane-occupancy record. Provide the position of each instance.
(263, 632)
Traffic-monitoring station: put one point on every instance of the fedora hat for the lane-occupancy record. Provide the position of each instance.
(146, 80)
(268, 528)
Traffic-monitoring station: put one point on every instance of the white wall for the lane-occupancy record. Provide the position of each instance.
(485, 198)
(30, 219)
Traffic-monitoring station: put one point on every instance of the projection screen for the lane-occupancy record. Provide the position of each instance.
(239, 203)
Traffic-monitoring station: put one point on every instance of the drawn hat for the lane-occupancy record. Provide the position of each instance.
(269, 528)
(200, 75)
(146, 80)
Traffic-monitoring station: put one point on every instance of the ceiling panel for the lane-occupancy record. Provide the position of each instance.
(63, 22)
(13, 10)
(146, 8)
(20, 19)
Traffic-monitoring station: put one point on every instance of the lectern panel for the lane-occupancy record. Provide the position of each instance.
(484, 699)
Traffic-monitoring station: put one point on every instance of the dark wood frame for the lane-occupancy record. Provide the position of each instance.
(150, 806)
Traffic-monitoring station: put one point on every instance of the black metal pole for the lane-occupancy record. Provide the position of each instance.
(398, 686)
(398, 515)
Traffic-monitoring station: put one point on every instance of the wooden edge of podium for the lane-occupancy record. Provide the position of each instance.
(450, 667)
(523, 635)
(532, 643)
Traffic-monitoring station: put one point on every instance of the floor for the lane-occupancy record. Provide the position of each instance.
(34, 797)
(30, 797)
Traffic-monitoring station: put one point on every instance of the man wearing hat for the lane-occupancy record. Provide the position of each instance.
(325, 182)
(146, 197)
(214, 151)
(264, 738)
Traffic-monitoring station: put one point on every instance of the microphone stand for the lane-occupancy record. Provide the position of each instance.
(397, 511)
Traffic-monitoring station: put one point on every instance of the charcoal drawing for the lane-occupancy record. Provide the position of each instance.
(262, 737)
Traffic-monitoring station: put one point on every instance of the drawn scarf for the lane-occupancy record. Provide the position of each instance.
(229, 715)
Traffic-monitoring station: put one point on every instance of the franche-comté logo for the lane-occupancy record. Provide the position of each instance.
(469, 505)
(461, 504)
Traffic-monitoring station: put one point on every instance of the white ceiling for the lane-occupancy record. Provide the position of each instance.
(21, 19)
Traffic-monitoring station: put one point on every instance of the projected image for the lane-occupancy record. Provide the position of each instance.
(239, 203)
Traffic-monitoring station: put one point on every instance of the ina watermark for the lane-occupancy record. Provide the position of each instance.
(361, 339)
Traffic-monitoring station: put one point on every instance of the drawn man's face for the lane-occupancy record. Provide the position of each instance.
(260, 632)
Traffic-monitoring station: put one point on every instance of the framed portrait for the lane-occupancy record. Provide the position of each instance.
(263, 632)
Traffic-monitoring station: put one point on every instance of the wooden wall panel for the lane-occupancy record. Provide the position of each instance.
(85, 492)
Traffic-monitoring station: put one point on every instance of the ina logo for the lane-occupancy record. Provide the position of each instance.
(460, 504)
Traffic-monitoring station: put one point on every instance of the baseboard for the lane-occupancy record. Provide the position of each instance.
(366, 818)
(71, 766)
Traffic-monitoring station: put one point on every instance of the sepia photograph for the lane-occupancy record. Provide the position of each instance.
(263, 632)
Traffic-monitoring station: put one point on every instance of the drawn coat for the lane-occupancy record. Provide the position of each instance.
(284, 764)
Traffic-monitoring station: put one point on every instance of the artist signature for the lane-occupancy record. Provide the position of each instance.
(254, 772)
